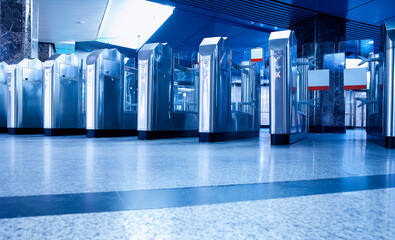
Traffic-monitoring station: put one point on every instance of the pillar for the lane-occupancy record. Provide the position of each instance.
(18, 29)
(330, 117)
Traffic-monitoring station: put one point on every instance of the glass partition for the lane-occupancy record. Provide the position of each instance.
(325, 59)
(354, 51)
(185, 90)
(130, 89)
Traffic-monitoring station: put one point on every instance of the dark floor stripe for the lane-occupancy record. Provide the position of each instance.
(12, 207)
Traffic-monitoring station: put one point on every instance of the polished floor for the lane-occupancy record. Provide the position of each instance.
(329, 186)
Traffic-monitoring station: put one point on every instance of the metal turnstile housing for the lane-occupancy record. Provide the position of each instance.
(217, 121)
(286, 121)
(381, 98)
(25, 97)
(156, 115)
(63, 110)
(105, 96)
(3, 96)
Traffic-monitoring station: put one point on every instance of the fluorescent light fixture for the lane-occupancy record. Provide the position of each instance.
(130, 23)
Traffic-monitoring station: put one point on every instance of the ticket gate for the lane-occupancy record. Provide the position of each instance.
(217, 120)
(380, 97)
(3, 96)
(158, 115)
(63, 96)
(288, 119)
(25, 97)
(106, 110)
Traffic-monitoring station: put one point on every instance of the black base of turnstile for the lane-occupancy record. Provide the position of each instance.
(21, 131)
(64, 131)
(151, 135)
(226, 136)
(3, 130)
(286, 139)
(327, 129)
(110, 133)
(388, 142)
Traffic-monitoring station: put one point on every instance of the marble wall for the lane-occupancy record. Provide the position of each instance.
(18, 29)
(323, 28)
(45, 50)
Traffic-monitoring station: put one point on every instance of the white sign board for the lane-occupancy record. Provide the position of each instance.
(355, 78)
(318, 79)
(256, 55)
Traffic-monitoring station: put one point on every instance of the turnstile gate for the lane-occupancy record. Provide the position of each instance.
(158, 114)
(288, 116)
(3, 96)
(25, 97)
(217, 120)
(63, 112)
(106, 114)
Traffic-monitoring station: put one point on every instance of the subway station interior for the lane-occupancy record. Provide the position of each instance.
(197, 119)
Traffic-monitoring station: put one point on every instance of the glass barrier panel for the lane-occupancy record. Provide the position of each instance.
(185, 90)
(355, 51)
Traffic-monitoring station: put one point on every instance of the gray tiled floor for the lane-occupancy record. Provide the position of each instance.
(35, 165)
(355, 215)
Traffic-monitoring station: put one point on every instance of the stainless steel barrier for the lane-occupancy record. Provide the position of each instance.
(217, 120)
(3, 96)
(25, 97)
(105, 95)
(63, 111)
(381, 100)
(374, 113)
(158, 113)
(288, 90)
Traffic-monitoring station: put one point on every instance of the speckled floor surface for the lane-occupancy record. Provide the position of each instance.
(37, 165)
(53, 165)
(356, 215)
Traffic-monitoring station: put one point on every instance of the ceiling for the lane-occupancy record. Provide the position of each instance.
(185, 30)
(372, 12)
(364, 16)
(247, 23)
(71, 20)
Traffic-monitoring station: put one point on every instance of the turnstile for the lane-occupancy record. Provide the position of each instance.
(217, 120)
(158, 115)
(288, 119)
(106, 111)
(63, 96)
(3, 96)
(380, 98)
(374, 107)
(25, 97)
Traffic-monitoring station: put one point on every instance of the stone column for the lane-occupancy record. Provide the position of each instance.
(45, 50)
(18, 29)
(330, 117)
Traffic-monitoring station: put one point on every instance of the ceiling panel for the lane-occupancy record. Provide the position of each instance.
(179, 27)
(268, 12)
(215, 29)
(335, 7)
(363, 15)
(185, 30)
(375, 12)
(70, 20)
(366, 11)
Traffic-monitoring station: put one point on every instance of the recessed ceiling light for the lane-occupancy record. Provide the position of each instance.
(130, 23)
